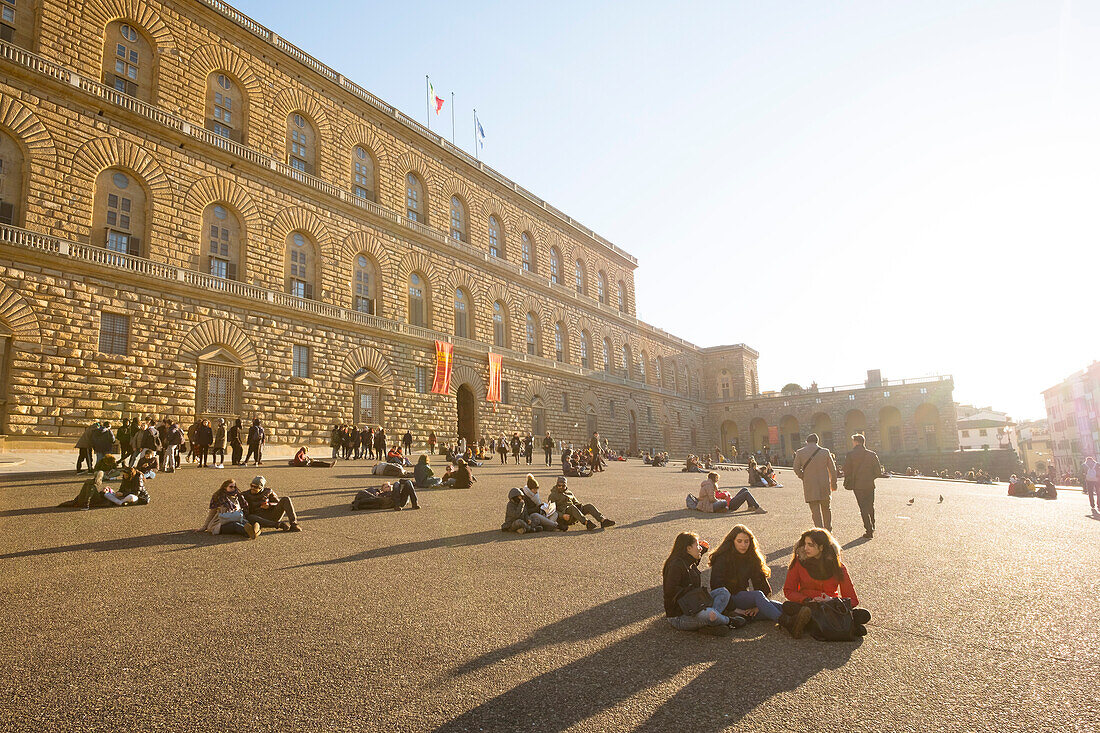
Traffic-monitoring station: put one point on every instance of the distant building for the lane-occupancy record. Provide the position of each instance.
(983, 428)
(1074, 418)
(1035, 448)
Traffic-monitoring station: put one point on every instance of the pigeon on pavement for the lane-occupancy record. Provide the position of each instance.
(941, 498)
(912, 500)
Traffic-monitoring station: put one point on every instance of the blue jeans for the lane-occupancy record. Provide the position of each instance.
(720, 598)
(756, 599)
(743, 496)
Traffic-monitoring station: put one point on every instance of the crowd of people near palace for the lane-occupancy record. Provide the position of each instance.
(820, 598)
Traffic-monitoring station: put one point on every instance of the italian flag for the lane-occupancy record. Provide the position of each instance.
(437, 101)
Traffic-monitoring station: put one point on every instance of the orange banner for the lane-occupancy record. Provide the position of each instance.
(494, 378)
(444, 361)
(773, 434)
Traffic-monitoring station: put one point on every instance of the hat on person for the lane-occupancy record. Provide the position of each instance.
(532, 483)
(221, 421)
(259, 481)
(515, 494)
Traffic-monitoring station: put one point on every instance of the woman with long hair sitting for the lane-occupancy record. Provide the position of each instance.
(817, 574)
(681, 575)
(738, 562)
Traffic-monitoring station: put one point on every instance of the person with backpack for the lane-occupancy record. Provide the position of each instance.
(256, 439)
(816, 574)
(817, 469)
(861, 468)
(688, 606)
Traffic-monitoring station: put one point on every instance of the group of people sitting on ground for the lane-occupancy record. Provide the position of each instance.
(711, 499)
(1024, 487)
(526, 511)
(248, 513)
(655, 459)
(816, 577)
(97, 493)
(576, 463)
(695, 464)
(761, 474)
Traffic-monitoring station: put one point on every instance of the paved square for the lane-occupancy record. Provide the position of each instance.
(986, 613)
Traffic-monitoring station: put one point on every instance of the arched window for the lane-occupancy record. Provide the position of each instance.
(11, 182)
(586, 360)
(458, 219)
(532, 334)
(626, 361)
(127, 60)
(418, 300)
(301, 143)
(579, 272)
(462, 314)
(225, 113)
(496, 238)
(607, 354)
(17, 22)
(657, 373)
(555, 266)
(118, 222)
(499, 323)
(368, 398)
(302, 265)
(362, 171)
(527, 252)
(221, 242)
(559, 341)
(364, 284)
(620, 294)
(416, 204)
(641, 365)
(601, 287)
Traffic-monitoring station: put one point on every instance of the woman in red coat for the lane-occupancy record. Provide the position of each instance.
(817, 574)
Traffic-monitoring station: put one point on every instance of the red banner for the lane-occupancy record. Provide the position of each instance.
(494, 378)
(444, 361)
(773, 435)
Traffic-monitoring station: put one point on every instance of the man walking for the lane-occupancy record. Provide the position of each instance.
(817, 469)
(548, 448)
(407, 441)
(861, 468)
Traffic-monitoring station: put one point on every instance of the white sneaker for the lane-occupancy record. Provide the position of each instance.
(219, 465)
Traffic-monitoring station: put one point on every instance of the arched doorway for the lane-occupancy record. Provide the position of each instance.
(538, 419)
(855, 423)
(467, 414)
(633, 430)
(591, 424)
(368, 398)
(729, 437)
(758, 430)
(927, 418)
(889, 429)
(666, 431)
(823, 426)
(790, 436)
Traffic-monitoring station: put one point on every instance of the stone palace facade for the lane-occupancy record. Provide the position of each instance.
(199, 218)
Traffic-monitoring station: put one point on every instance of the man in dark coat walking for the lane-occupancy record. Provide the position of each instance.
(861, 468)
(380, 443)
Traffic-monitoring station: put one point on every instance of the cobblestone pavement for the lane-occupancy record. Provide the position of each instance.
(986, 613)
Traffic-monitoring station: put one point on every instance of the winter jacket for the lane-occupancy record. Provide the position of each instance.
(733, 571)
(463, 478)
(103, 439)
(85, 439)
(421, 473)
(861, 468)
(256, 435)
(514, 510)
(681, 574)
(204, 436)
(535, 505)
(219, 438)
(801, 586)
(706, 496)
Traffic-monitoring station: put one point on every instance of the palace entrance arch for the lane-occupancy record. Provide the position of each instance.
(467, 414)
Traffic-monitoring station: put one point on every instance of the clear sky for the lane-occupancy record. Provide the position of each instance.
(910, 186)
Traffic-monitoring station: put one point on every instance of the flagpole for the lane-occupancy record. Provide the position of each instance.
(427, 103)
(452, 118)
(475, 135)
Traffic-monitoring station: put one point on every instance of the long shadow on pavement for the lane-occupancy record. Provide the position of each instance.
(179, 537)
(731, 686)
(463, 540)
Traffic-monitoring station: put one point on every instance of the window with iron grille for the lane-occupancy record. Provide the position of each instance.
(300, 366)
(219, 389)
(422, 379)
(114, 333)
(505, 392)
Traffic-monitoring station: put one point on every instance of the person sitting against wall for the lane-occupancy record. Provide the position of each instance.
(226, 515)
(539, 513)
(680, 577)
(301, 459)
(570, 510)
(387, 496)
(817, 574)
(734, 565)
